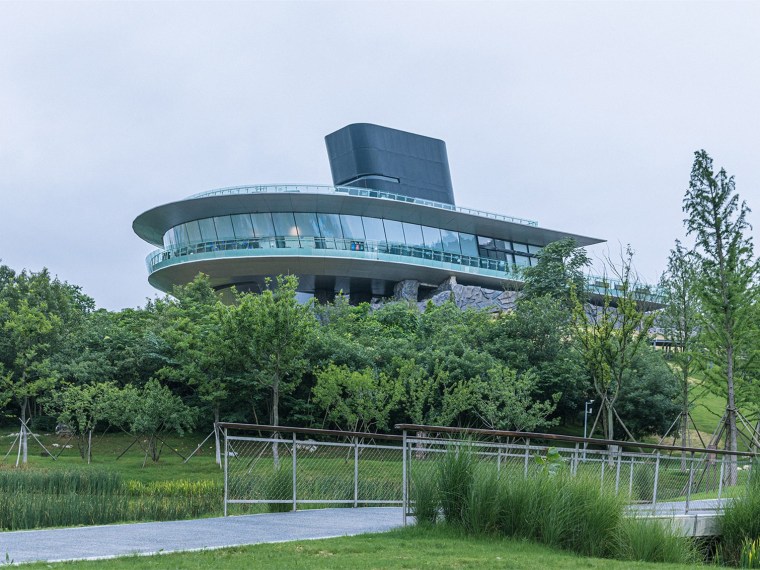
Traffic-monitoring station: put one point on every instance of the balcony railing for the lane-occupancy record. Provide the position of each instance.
(369, 249)
(362, 248)
(362, 192)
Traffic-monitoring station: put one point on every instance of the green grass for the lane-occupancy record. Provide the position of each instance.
(106, 449)
(412, 547)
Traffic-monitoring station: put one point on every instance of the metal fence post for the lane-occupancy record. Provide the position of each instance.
(630, 480)
(527, 456)
(294, 472)
(574, 464)
(226, 470)
(404, 491)
(691, 482)
(617, 471)
(656, 478)
(498, 460)
(722, 469)
(356, 472)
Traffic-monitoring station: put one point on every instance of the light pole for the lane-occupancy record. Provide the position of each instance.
(586, 411)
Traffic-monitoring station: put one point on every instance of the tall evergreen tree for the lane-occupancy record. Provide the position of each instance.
(678, 321)
(727, 285)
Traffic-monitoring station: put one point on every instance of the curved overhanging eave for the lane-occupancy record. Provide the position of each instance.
(152, 224)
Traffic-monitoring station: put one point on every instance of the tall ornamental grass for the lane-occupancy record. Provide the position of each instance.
(740, 523)
(38, 499)
(552, 507)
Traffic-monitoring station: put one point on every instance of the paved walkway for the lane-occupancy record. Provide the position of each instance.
(93, 542)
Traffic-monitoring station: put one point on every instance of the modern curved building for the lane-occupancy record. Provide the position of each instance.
(388, 220)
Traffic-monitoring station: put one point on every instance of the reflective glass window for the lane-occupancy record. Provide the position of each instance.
(469, 244)
(486, 242)
(413, 234)
(224, 227)
(432, 237)
(180, 234)
(450, 241)
(284, 224)
(501, 244)
(522, 247)
(208, 231)
(522, 261)
(352, 227)
(534, 249)
(373, 229)
(394, 231)
(193, 232)
(242, 225)
(307, 224)
(262, 225)
(169, 238)
(329, 224)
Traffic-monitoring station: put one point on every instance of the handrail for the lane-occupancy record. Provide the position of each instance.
(568, 439)
(308, 431)
(326, 244)
(354, 191)
(359, 247)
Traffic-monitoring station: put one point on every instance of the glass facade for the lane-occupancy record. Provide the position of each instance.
(306, 229)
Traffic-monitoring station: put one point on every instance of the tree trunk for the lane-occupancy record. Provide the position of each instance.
(218, 452)
(610, 430)
(276, 422)
(685, 420)
(89, 447)
(731, 418)
(23, 442)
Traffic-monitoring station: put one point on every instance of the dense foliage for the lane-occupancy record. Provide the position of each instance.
(187, 360)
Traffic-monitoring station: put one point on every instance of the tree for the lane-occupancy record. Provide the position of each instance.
(505, 401)
(360, 400)
(191, 328)
(678, 320)
(269, 334)
(650, 399)
(727, 288)
(149, 413)
(609, 335)
(80, 408)
(559, 271)
(38, 315)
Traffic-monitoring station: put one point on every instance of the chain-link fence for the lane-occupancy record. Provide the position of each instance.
(289, 468)
(659, 478)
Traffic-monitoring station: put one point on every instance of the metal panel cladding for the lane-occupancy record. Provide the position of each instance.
(389, 160)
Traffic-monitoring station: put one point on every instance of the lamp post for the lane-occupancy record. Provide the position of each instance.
(586, 411)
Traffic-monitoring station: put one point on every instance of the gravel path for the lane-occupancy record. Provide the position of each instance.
(93, 542)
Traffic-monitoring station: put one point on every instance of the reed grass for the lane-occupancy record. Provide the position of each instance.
(38, 499)
(560, 509)
(740, 523)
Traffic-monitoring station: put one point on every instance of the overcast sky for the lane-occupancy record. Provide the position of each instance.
(583, 116)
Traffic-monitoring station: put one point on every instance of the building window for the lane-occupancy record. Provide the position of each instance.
(352, 227)
(413, 235)
(242, 226)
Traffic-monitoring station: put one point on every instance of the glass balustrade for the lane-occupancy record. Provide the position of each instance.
(361, 192)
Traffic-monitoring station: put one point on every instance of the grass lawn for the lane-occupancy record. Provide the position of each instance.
(404, 548)
(107, 448)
